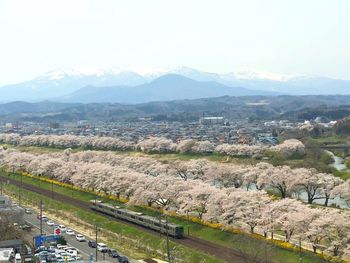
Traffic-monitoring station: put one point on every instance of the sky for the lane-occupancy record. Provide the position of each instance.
(295, 37)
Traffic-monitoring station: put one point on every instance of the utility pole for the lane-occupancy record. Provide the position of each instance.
(167, 239)
(20, 190)
(52, 187)
(41, 217)
(160, 226)
(300, 254)
(96, 230)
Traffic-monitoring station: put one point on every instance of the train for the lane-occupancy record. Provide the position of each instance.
(154, 223)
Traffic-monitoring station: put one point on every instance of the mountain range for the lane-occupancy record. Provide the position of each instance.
(233, 108)
(139, 86)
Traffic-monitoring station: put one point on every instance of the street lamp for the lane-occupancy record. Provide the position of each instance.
(52, 187)
(20, 189)
(96, 230)
(300, 253)
(41, 217)
(167, 233)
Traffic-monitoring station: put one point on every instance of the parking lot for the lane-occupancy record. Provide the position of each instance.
(77, 246)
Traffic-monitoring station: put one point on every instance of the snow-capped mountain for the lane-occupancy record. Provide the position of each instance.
(62, 82)
(164, 88)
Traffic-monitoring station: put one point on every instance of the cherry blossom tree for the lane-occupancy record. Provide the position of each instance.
(278, 178)
(289, 148)
(343, 190)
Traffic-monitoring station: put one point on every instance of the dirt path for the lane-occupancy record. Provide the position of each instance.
(221, 252)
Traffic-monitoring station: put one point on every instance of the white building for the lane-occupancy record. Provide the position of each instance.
(211, 120)
(10, 212)
(6, 255)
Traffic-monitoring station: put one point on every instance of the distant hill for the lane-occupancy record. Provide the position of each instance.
(328, 112)
(165, 88)
(233, 108)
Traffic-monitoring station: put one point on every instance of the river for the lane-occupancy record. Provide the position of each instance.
(338, 162)
(340, 166)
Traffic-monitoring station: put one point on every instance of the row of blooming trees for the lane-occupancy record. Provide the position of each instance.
(153, 144)
(282, 180)
(213, 192)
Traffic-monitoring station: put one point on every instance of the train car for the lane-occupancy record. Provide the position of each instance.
(153, 223)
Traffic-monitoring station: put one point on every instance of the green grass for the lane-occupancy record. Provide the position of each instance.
(241, 242)
(342, 174)
(331, 139)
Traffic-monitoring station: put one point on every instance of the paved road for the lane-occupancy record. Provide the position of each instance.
(83, 247)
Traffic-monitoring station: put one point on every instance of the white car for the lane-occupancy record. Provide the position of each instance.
(62, 228)
(72, 253)
(50, 223)
(80, 237)
(63, 254)
(72, 248)
(62, 247)
(78, 257)
(70, 232)
(102, 247)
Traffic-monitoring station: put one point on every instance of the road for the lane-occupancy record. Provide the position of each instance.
(83, 247)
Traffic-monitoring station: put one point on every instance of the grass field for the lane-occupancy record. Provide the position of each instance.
(242, 242)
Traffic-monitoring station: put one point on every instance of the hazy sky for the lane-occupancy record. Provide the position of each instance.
(282, 36)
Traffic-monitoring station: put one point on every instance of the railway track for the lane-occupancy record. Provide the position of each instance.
(221, 252)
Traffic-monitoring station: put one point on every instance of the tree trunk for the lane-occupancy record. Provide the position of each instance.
(309, 198)
(283, 194)
(252, 229)
(326, 199)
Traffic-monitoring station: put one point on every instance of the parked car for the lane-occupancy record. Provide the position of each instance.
(61, 247)
(40, 249)
(102, 247)
(72, 248)
(92, 244)
(80, 238)
(18, 258)
(50, 223)
(59, 258)
(51, 249)
(70, 232)
(113, 253)
(72, 253)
